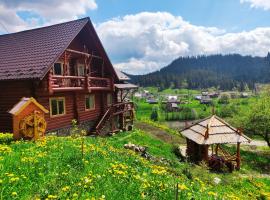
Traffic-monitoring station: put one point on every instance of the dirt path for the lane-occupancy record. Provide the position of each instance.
(159, 133)
(258, 143)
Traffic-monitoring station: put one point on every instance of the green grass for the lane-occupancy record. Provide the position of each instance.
(55, 169)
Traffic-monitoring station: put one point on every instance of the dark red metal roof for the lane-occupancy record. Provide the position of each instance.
(29, 54)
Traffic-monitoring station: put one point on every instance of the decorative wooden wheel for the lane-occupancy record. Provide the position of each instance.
(33, 126)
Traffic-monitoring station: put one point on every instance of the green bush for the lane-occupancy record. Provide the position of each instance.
(227, 111)
(188, 114)
(224, 99)
(154, 114)
(6, 138)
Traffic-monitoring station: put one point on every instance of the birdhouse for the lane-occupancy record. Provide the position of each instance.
(28, 119)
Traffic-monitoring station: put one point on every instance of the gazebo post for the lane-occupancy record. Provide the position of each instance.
(205, 155)
(216, 150)
(238, 158)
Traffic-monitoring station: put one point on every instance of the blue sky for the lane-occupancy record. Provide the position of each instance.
(225, 14)
(145, 35)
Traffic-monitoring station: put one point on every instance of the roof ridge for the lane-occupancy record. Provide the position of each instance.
(195, 123)
(208, 126)
(43, 27)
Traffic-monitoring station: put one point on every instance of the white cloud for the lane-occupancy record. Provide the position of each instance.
(145, 42)
(264, 4)
(46, 11)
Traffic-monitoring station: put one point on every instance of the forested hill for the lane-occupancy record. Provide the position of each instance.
(223, 71)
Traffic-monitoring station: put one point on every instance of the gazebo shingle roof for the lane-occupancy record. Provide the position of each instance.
(214, 130)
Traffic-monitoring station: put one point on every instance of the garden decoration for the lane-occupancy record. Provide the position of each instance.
(28, 119)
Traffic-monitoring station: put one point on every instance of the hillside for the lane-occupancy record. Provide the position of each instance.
(222, 71)
(54, 169)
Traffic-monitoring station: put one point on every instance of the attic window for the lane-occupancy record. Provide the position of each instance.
(58, 69)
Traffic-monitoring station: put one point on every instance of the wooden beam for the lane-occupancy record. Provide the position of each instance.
(238, 158)
(64, 89)
(83, 53)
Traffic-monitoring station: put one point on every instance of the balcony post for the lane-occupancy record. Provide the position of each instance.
(87, 84)
(50, 89)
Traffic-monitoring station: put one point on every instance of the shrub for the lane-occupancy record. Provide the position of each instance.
(154, 114)
(6, 138)
(224, 99)
(188, 114)
(227, 111)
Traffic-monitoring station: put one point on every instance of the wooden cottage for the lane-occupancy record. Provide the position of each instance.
(66, 69)
(213, 132)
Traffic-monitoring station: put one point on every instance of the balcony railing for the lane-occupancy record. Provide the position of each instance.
(72, 83)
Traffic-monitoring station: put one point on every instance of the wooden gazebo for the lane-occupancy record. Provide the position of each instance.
(213, 131)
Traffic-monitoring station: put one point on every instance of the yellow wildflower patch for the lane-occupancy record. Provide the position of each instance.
(212, 193)
(5, 149)
(158, 170)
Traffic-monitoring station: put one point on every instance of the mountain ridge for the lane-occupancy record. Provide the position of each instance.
(220, 71)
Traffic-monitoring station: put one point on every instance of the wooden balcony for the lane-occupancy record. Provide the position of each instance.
(74, 83)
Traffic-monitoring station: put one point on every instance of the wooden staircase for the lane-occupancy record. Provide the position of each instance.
(122, 112)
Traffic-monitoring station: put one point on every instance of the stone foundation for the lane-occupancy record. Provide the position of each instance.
(65, 131)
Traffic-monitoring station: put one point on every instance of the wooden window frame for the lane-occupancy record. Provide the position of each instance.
(62, 67)
(107, 96)
(90, 109)
(57, 98)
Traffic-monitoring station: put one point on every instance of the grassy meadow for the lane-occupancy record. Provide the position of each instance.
(56, 168)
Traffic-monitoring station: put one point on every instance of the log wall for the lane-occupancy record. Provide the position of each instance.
(11, 93)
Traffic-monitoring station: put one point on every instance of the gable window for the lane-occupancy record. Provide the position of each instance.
(81, 70)
(109, 99)
(58, 68)
(90, 102)
(57, 106)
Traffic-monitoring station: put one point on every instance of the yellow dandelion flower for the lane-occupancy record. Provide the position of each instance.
(75, 195)
(212, 193)
(66, 188)
(143, 195)
(14, 194)
(182, 187)
(52, 196)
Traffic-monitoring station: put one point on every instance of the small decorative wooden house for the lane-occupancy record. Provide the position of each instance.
(213, 131)
(28, 119)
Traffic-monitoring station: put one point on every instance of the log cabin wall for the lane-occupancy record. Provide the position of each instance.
(11, 94)
(75, 109)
